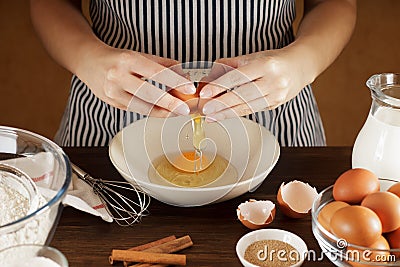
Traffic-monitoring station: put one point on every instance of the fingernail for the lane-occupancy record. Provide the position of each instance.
(215, 117)
(205, 92)
(182, 110)
(210, 119)
(189, 89)
(208, 108)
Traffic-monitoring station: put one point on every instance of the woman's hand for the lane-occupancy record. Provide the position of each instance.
(118, 77)
(246, 84)
(270, 78)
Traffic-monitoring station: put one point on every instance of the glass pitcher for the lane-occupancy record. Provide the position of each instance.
(377, 147)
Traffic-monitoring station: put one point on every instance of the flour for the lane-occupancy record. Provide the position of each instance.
(19, 199)
(13, 205)
(33, 232)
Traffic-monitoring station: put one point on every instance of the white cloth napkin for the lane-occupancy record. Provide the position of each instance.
(80, 195)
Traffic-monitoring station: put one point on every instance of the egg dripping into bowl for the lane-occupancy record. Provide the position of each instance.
(193, 161)
(194, 165)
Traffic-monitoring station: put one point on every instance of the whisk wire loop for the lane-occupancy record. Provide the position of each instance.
(117, 197)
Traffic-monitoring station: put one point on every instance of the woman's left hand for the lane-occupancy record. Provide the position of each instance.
(246, 84)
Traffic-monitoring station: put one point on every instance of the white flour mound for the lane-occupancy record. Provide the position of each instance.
(14, 206)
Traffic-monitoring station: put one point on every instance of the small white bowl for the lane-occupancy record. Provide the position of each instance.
(270, 234)
(32, 255)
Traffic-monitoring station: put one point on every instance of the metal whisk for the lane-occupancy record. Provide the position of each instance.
(117, 198)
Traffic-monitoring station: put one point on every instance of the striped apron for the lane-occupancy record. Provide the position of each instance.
(190, 31)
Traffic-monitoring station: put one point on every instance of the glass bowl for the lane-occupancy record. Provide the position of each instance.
(32, 255)
(337, 250)
(34, 178)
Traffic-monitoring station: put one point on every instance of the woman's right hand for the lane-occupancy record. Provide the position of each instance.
(119, 78)
(116, 76)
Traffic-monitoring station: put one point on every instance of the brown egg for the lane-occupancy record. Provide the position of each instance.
(387, 206)
(256, 214)
(326, 213)
(193, 101)
(368, 256)
(182, 96)
(353, 185)
(295, 198)
(357, 225)
(394, 241)
(395, 189)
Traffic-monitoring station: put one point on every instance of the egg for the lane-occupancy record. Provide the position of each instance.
(371, 254)
(295, 198)
(395, 189)
(387, 206)
(357, 225)
(326, 213)
(353, 185)
(188, 161)
(256, 214)
(194, 102)
(394, 241)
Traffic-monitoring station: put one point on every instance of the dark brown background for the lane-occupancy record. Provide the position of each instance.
(35, 89)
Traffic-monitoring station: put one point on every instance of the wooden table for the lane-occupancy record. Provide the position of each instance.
(86, 240)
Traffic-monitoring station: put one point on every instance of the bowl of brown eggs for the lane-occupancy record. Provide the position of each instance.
(356, 221)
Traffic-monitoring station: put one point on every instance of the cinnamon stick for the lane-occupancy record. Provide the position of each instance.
(147, 246)
(172, 246)
(148, 257)
(153, 244)
(168, 247)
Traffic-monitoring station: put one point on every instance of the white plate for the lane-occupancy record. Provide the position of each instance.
(249, 147)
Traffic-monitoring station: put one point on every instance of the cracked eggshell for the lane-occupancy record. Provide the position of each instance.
(256, 214)
(296, 198)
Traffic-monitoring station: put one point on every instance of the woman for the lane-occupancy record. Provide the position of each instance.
(252, 43)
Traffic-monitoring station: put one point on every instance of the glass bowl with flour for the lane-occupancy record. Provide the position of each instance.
(34, 178)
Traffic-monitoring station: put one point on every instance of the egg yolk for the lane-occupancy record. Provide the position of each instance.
(162, 168)
(189, 161)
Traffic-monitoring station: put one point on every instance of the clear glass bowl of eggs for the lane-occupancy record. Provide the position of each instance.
(34, 178)
(356, 221)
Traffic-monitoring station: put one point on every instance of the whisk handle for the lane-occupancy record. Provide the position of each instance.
(78, 171)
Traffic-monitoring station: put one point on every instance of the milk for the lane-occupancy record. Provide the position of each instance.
(377, 147)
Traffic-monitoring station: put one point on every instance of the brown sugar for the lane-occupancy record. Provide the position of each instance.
(272, 253)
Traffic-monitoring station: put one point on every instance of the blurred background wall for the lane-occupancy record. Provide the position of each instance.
(34, 89)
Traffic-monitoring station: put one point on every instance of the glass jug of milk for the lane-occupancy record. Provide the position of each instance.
(377, 147)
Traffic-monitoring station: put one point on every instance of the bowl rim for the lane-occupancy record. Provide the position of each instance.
(61, 192)
(148, 185)
(315, 209)
(266, 232)
(63, 258)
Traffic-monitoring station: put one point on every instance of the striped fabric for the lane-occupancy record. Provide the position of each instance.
(190, 31)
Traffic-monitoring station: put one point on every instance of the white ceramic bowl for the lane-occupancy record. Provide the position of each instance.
(249, 147)
(271, 234)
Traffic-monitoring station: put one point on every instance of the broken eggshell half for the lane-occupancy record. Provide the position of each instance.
(256, 214)
(296, 198)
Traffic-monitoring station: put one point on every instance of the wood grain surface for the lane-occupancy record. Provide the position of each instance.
(86, 240)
